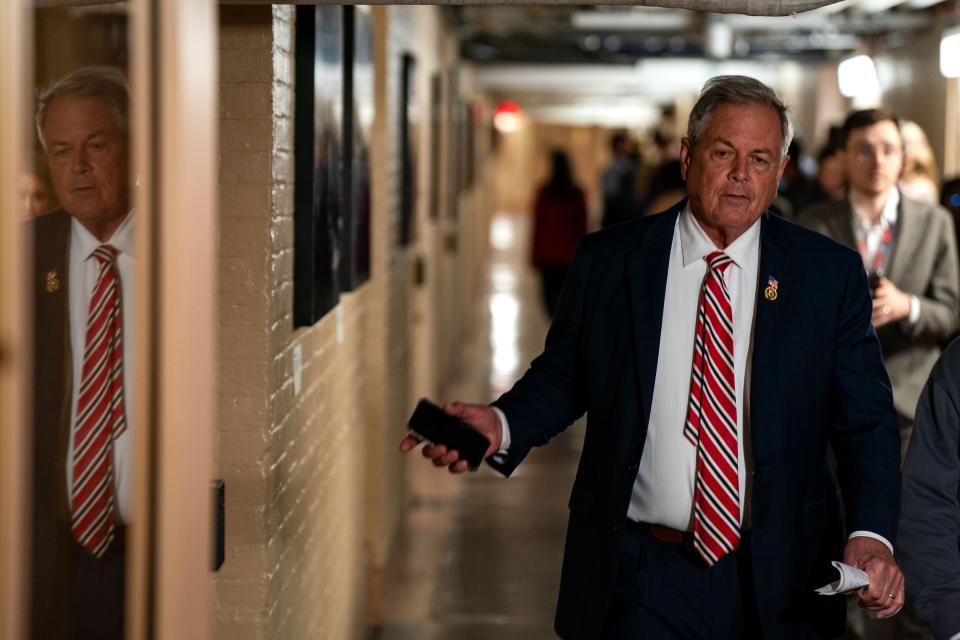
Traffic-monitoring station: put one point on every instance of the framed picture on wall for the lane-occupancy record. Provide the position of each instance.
(319, 198)
(436, 124)
(409, 121)
(453, 143)
(358, 112)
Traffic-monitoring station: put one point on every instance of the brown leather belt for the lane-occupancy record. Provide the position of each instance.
(666, 534)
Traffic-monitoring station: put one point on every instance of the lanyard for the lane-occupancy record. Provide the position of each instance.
(878, 262)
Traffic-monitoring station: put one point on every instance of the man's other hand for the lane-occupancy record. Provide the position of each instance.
(883, 597)
(479, 416)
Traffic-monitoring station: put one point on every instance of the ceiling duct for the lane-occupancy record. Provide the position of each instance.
(748, 7)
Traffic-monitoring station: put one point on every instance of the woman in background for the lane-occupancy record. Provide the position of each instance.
(559, 219)
(919, 180)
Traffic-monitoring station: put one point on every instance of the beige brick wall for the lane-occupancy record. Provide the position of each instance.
(315, 485)
(293, 463)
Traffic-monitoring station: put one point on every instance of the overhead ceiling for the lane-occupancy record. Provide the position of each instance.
(564, 34)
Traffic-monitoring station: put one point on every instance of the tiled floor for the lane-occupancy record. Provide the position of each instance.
(479, 555)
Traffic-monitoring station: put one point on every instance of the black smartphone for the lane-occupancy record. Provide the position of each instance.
(873, 278)
(430, 424)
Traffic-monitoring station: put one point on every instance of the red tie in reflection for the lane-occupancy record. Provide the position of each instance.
(100, 411)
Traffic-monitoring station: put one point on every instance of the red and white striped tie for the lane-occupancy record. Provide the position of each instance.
(100, 411)
(711, 424)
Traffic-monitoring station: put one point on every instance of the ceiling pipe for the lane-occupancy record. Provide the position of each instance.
(748, 7)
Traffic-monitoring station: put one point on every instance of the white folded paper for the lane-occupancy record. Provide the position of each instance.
(850, 578)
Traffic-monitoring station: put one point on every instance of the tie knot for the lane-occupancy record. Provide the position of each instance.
(105, 253)
(718, 261)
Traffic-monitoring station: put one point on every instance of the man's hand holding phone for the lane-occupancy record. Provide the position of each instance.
(480, 417)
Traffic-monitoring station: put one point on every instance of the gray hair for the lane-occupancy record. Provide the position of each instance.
(738, 90)
(106, 83)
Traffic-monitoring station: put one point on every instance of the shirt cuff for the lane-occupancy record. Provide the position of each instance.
(914, 309)
(955, 636)
(870, 534)
(504, 431)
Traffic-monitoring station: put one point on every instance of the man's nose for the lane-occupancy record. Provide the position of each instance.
(79, 161)
(738, 170)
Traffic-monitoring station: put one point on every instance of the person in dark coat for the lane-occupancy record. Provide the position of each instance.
(559, 219)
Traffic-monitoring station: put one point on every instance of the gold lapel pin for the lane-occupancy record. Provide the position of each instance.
(772, 290)
(53, 281)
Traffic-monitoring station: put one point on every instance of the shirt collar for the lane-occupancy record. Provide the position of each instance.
(695, 245)
(85, 243)
(887, 216)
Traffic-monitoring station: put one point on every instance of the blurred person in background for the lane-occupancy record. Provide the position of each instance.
(666, 187)
(797, 190)
(831, 176)
(920, 180)
(559, 219)
(908, 247)
(36, 194)
(619, 182)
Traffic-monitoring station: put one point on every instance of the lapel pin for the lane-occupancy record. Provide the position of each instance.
(53, 281)
(773, 288)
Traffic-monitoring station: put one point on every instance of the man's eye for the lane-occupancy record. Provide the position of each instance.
(722, 153)
(761, 162)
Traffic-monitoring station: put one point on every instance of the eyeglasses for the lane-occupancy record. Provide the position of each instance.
(865, 152)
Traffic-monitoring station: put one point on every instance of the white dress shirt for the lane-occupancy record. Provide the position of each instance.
(663, 489)
(84, 270)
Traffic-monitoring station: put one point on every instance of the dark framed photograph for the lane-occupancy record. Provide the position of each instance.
(454, 153)
(320, 204)
(436, 126)
(358, 113)
(409, 121)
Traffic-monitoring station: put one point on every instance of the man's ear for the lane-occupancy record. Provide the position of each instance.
(685, 154)
(783, 166)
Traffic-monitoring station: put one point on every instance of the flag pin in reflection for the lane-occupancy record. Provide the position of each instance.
(772, 290)
(53, 281)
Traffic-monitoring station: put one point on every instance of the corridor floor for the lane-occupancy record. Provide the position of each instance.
(478, 555)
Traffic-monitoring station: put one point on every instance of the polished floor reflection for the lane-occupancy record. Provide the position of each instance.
(479, 555)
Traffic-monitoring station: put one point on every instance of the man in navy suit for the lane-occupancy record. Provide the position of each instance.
(717, 350)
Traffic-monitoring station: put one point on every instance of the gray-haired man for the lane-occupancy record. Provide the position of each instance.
(84, 296)
(716, 349)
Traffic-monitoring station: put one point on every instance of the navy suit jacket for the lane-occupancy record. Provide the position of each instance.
(817, 377)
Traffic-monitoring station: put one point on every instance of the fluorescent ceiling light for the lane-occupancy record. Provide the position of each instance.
(950, 53)
(857, 77)
(639, 19)
(876, 6)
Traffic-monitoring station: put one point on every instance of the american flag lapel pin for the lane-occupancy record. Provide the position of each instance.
(772, 290)
(53, 281)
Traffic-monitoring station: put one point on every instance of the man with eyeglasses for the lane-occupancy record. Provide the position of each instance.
(908, 248)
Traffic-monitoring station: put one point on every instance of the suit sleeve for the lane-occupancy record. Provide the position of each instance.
(865, 432)
(549, 397)
(939, 303)
(930, 518)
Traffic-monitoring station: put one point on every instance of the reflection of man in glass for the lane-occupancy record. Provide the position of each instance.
(84, 293)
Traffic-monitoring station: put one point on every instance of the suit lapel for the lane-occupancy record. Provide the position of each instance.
(647, 269)
(841, 225)
(769, 320)
(908, 233)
